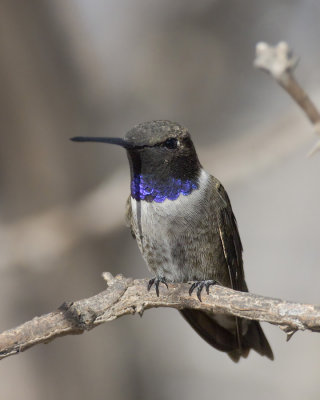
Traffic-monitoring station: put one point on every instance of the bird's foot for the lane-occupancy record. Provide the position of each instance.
(156, 282)
(200, 285)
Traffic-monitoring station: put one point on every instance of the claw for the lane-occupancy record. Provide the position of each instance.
(208, 284)
(156, 282)
(150, 283)
(200, 285)
(192, 287)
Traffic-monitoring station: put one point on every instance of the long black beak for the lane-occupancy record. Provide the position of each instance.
(118, 141)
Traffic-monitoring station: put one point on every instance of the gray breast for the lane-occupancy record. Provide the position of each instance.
(177, 238)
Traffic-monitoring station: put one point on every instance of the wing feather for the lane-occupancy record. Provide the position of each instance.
(230, 240)
(232, 248)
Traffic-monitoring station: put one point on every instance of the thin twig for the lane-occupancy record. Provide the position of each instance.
(280, 63)
(127, 296)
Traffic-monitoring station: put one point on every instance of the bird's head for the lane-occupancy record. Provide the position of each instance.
(163, 161)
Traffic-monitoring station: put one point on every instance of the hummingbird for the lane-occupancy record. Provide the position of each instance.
(182, 220)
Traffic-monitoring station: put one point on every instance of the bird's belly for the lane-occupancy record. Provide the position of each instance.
(158, 238)
(176, 239)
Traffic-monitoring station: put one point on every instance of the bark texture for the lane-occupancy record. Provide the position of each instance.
(128, 296)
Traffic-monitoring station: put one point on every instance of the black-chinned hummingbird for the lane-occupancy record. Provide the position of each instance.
(182, 219)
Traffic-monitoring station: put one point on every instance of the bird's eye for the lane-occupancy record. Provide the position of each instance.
(171, 143)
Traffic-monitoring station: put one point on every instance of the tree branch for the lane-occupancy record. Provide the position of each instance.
(127, 296)
(280, 63)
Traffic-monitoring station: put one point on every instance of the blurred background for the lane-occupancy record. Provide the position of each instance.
(98, 67)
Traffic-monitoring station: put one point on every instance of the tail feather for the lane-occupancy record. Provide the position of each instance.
(256, 339)
(226, 340)
(210, 330)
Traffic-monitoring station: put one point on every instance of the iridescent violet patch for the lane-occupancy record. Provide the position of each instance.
(151, 190)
